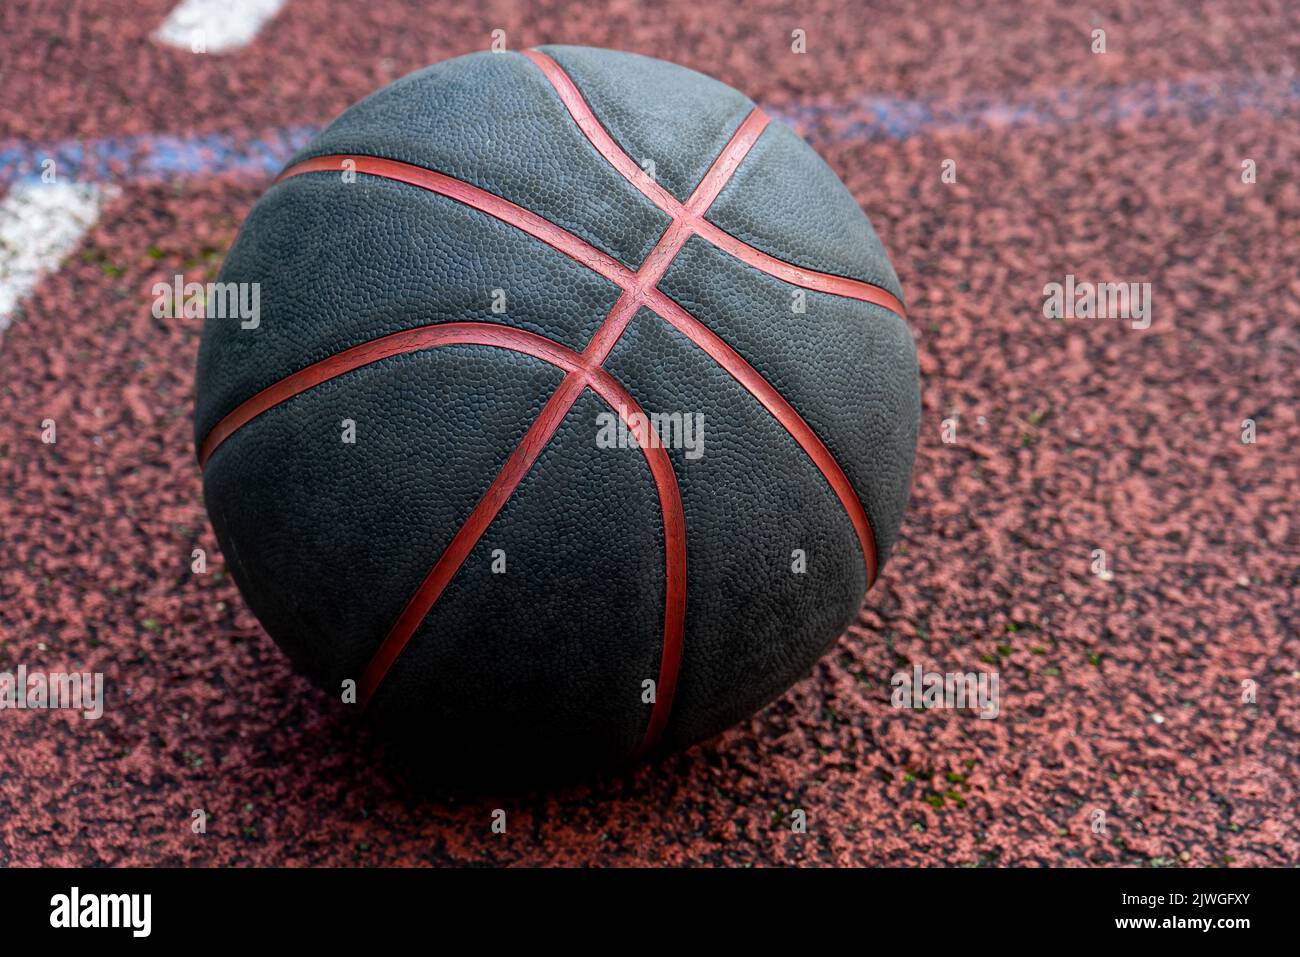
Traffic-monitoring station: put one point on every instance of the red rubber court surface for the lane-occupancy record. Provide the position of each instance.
(1120, 693)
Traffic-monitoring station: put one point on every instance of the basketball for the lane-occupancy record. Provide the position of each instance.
(578, 415)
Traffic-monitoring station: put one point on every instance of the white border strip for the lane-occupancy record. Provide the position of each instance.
(40, 223)
(216, 26)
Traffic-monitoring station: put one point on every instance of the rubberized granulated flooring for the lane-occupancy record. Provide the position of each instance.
(1120, 693)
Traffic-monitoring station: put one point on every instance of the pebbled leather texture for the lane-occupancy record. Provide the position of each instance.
(657, 111)
(492, 120)
(865, 410)
(341, 265)
(752, 626)
(786, 201)
(546, 662)
(327, 540)
(552, 652)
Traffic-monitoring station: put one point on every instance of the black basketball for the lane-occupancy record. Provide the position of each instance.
(579, 413)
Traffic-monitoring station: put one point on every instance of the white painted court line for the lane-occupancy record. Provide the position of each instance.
(215, 26)
(40, 223)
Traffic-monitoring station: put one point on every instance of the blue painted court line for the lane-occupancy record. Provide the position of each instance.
(165, 157)
(888, 118)
(155, 156)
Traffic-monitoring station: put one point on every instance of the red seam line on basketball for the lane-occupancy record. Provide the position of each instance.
(580, 372)
(726, 163)
(507, 481)
(674, 519)
(467, 536)
(781, 410)
(638, 289)
(493, 205)
(635, 295)
(599, 137)
(633, 298)
(748, 134)
(797, 275)
(691, 215)
(397, 343)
